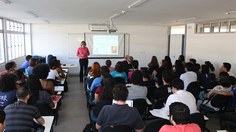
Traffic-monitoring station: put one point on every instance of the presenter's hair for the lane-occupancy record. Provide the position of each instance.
(83, 43)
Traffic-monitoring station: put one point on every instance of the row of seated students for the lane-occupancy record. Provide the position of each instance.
(30, 96)
(142, 83)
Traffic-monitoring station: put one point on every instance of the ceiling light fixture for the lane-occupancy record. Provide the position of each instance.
(32, 14)
(186, 19)
(136, 3)
(6, 1)
(47, 21)
(230, 12)
(114, 16)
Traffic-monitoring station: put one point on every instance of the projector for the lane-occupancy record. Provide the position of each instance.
(112, 30)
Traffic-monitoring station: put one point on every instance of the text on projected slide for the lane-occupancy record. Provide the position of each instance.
(105, 44)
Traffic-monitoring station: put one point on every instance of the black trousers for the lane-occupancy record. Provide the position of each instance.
(83, 68)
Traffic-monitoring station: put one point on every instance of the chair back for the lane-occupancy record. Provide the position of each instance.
(156, 125)
(197, 118)
(44, 109)
(117, 128)
(98, 107)
(220, 101)
(151, 92)
(141, 105)
(194, 88)
(119, 80)
(159, 103)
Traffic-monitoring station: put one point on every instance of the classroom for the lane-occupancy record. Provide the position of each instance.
(203, 30)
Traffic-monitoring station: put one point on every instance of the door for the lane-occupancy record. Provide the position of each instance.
(175, 46)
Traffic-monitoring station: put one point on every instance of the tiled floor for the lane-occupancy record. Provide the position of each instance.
(73, 115)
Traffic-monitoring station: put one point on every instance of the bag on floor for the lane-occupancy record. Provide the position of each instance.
(90, 127)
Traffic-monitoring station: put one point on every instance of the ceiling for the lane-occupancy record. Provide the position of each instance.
(151, 12)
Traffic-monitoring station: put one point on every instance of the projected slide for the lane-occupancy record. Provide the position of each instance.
(105, 44)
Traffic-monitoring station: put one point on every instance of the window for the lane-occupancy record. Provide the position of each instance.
(0, 24)
(206, 27)
(1, 43)
(178, 29)
(1, 49)
(199, 28)
(224, 27)
(233, 26)
(15, 39)
(215, 27)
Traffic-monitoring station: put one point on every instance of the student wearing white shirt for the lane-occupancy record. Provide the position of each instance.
(189, 76)
(53, 74)
(179, 95)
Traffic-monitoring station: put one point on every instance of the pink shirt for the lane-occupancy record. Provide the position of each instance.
(181, 128)
(83, 53)
(2, 73)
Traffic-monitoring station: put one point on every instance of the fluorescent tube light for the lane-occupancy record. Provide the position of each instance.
(47, 21)
(32, 14)
(186, 19)
(6, 1)
(114, 16)
(136, 3)
(230, 12)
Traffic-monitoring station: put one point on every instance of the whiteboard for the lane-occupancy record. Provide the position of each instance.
(74, 40)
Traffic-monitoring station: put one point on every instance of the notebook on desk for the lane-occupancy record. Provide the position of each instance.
(59, 88)
(56, 98)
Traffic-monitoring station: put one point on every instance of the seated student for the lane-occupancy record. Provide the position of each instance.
(134, 68)
(21, 78)
(224, 86)
(158, 73)
(104, 92)
(20, 112)
(119, 71)
(179, 114)
(178, 69)
(189, 75)
(108, 64)
(26, 63)
(32, 63)
(9, 68)
(136, 90)
(153, 65)
(162, 93)
(39, 97)
(7, 89)
(210, 65)
(53, 74)
(226, 68)
(2, 120)
(207, 80)
(179, 95)
(120, 113)
(149, 83)
(93, 73)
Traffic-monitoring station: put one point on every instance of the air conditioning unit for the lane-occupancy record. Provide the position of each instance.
(99, 27)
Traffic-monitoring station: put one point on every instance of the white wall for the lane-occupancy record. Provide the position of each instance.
(217, 48)
(145, 41)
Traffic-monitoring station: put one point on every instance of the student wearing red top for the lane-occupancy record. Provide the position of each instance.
(179, 114)
(83, 53)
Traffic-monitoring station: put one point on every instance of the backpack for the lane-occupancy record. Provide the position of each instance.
(90, 127)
